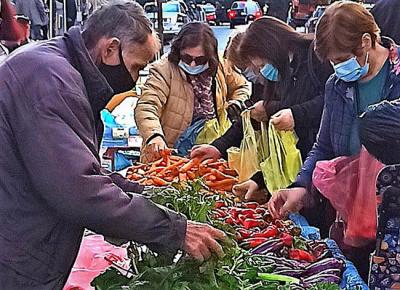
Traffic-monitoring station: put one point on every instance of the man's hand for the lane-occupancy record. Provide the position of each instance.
(203, 152)
(287, 201)
(258, 113)
(249, 191)
(283, 120)
(201, 241)
(151, 151)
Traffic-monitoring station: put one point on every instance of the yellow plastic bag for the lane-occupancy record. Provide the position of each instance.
(213, 129)
(245, 159)
(282, 165)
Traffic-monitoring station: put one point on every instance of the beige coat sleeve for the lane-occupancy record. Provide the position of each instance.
(150, 104)
(238, 87)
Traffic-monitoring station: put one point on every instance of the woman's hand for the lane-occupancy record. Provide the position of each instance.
(249, 191)
(204, 151)
(258, 113)
(283, 120)
(286, 201)
(151, 151)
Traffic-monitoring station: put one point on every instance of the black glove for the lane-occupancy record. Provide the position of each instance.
(234, 111)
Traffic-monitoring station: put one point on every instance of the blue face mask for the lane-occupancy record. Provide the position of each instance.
(350, 70)
(270, 72)
(250, 75)
(193, 70)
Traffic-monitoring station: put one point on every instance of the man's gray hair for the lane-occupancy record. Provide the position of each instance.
(117, 18)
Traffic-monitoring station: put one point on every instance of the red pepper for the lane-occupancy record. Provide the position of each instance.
(230, 221)
(234, 212)
(219, 213)
(252, 223)
(219, 204)
(252, 205)
(253, 242)
(241, 218)
(279, 224)
(247, 212)
(270, 232)
(261, 211)
(300, 255)
(287, 239)
(245, 233)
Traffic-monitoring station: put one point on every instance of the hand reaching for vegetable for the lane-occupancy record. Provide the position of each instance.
(286, 201)
(283, 120)
(151, 151)
(258, 113)
(203, 152)
(201, 241)
(249, 191)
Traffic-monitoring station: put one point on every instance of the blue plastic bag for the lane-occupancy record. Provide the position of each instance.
(188, 138)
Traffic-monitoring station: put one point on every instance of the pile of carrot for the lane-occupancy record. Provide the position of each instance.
(215, 174)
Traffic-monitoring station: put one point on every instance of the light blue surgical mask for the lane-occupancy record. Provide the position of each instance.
(193, 70)
(270, 72)
(250, 75)
(350, 70)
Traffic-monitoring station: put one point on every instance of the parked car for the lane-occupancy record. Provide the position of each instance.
(211, 16)
(242, 12)
(301, 10)
(175, 15)
(312, 22)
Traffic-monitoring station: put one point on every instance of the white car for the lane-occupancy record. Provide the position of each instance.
(175, 15)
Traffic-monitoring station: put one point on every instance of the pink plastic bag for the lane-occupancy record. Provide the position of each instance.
(349, 183)
(93, 259)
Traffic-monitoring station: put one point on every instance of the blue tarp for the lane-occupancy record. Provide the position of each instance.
(351, 280)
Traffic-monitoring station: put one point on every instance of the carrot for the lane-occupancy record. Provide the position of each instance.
(216, 164)
(185, 168)
(148, 182)
(221, 183)
(206, 162)
(158, 181)
(178, 158)
(166, 152)
(134, 176)
(172, 166)
(209, 177)
(154, 170)
(169, 178)
(191, 175)
(230, 172)
(182, 177)
(220, 175)
(203, 170)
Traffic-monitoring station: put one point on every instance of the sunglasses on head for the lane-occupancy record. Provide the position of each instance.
(199, 60)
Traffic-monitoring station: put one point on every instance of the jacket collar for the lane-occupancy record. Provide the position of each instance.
(97, 87)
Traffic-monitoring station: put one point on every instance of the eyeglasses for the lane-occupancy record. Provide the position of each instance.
(199, 60)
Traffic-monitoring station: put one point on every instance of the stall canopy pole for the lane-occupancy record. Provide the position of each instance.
(160, 26)
(51, 18)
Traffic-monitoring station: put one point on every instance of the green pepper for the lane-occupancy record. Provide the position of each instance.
(279, 278)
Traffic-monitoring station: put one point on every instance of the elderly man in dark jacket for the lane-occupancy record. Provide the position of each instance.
(51, 184)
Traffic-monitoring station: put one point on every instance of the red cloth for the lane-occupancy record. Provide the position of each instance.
(10, 29)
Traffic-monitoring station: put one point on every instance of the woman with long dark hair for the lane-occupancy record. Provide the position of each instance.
(191, 84)
(273, 54)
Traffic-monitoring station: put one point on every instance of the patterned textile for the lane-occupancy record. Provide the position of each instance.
(203, 97)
